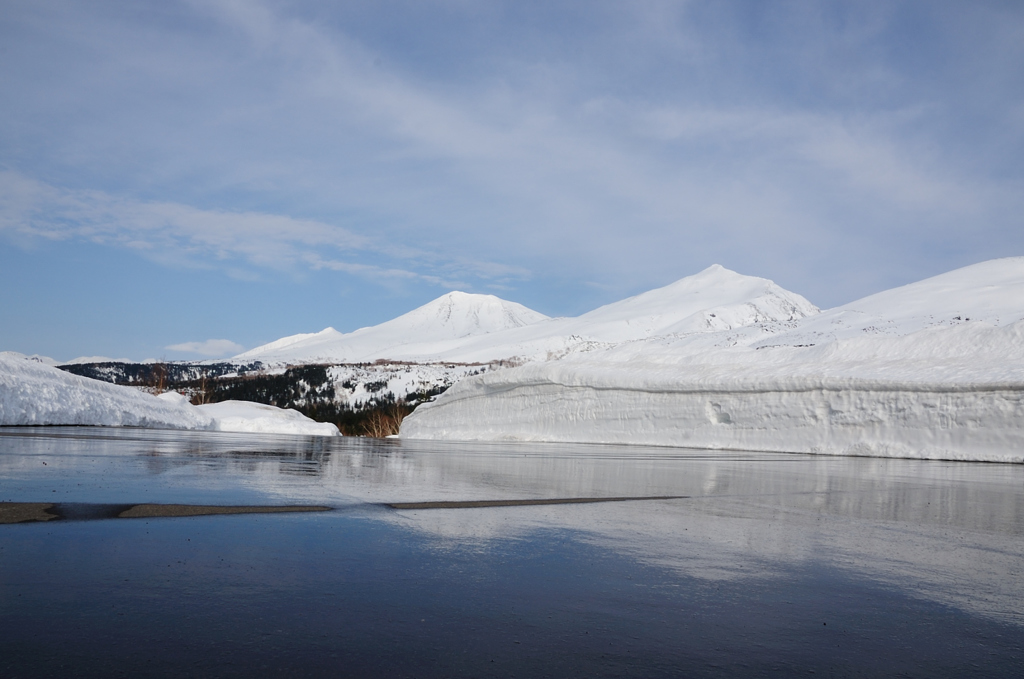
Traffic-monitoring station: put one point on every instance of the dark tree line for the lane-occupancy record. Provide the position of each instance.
(150, 374)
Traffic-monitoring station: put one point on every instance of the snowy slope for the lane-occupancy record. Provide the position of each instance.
(480, 328)
(900, 373)
(429, 330)
(989, 292)
(32, 393)
(713, 300)
(46, 360)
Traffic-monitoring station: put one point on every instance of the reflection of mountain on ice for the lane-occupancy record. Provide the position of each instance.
(933, 369)
(744, 517)
(925, 528)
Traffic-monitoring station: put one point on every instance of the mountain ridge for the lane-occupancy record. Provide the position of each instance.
(463, 327)
(449, 318)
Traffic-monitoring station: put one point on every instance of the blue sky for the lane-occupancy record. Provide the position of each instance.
(175, 172)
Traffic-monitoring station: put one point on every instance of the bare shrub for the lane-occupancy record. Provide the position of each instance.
(383, 422)
(204, 389)
(157, 382)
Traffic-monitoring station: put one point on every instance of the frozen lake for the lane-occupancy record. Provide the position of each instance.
(764, 564)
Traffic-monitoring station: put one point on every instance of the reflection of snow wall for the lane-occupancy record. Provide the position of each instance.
(885, 420)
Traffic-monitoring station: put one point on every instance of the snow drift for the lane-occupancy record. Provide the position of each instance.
(932, 370)
(32, 393)
(245, 416)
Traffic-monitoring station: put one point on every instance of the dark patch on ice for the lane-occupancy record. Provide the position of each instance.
(23, 512)
(476, 504)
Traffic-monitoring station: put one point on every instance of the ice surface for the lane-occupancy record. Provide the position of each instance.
(32, 393)
(931, 370)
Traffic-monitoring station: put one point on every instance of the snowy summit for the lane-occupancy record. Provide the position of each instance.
(461, 327)
(434, 328)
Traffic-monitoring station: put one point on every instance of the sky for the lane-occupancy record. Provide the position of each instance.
(184, 179)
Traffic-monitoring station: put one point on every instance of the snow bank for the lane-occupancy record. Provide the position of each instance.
(32, 393)
(244, 416)
(900, 374)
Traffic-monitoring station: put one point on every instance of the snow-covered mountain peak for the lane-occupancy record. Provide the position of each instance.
(713, 299)
(424, 331)
(306, 338)
(464, 327)
(462, 314)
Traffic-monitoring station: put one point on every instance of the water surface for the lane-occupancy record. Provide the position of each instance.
(770, 564)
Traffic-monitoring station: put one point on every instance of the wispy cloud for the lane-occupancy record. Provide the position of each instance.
(483, 145)
(214, 348)
(620, 180)
(187, 236)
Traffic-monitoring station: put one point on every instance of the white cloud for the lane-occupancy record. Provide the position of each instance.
(30, 208)
(215, 348)
(579, 174)
(642, 143)
(182, 235)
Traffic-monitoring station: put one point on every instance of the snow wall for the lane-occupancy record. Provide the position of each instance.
(32, 393)
(35, 394)
(983, 422)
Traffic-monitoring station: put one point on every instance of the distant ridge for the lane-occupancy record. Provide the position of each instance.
(462, 327)
(991, 292)
(430, 329)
